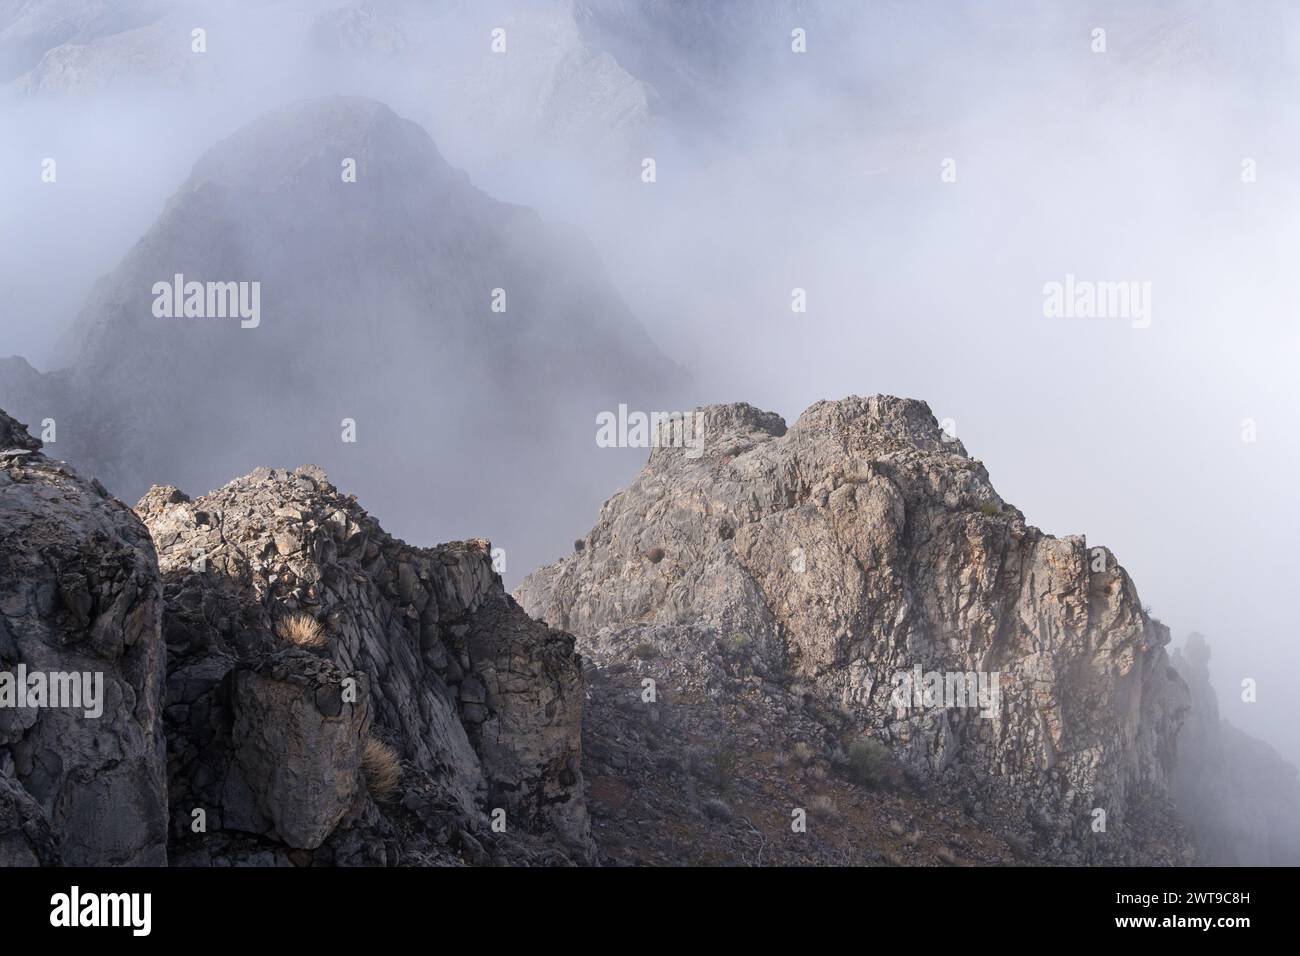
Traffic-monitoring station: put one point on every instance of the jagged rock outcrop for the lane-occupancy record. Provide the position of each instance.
(80, 604)
(1239, 797)
(861, 544)
(482, 704)
(276, 739)
(14, 435)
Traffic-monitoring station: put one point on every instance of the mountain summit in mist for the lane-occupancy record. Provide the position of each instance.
(462, 253)
(864, 558)
(852, 590)
(407, 310)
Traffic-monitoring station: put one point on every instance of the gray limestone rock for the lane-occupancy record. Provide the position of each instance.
(861, 544)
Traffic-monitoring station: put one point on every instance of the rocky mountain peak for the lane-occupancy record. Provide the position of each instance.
(403, 299)
(310, 139)
(862, 544)
(878, 424)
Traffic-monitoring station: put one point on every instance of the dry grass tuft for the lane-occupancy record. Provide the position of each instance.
(822, 807)
(381, 768)
(302, 630)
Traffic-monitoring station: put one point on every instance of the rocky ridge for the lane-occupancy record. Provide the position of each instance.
(286, 684)
(481, 703)
(859, 544)
(709, 712)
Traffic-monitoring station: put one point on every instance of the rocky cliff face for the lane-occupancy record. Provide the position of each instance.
(860, 545)
(481, 704)
(80, 606)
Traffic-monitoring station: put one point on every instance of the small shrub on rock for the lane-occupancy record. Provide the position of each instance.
(721, 769)
(716, 809)
(868, 762)
(302, 630)
(381, 768)
(822, 807)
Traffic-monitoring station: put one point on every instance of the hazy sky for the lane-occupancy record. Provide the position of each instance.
(824, 171)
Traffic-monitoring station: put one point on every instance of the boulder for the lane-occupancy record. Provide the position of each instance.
(80, 597)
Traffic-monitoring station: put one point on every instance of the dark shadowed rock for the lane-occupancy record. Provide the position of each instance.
(80, 594)
(481, 703)
(14, 435)
(297, 748)
(26, 838)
